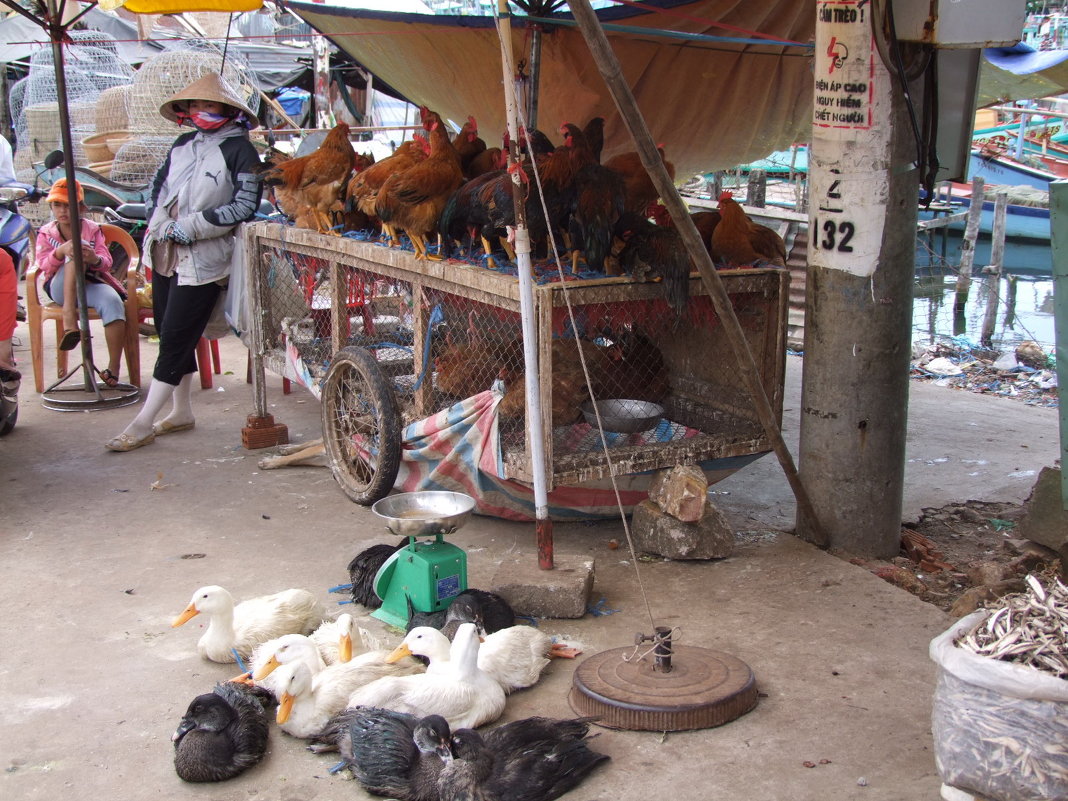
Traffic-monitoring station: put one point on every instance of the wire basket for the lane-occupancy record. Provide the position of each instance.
(111, 114)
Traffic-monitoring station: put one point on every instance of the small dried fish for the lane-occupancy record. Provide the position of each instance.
(1029, 628)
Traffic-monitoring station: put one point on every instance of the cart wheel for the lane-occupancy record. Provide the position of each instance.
(361, 426)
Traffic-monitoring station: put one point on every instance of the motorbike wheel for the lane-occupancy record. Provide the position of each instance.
(9, 406)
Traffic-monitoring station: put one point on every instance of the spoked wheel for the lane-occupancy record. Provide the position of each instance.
(361, 426)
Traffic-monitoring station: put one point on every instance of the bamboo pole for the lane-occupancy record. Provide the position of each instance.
(610, 70)
(997, 257)
(967, 248)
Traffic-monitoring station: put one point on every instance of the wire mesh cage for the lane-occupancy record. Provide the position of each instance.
(666, 387)
(91, 66)
(160, 77)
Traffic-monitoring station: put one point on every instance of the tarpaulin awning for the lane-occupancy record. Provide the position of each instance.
(712, 102)
(1021, 73)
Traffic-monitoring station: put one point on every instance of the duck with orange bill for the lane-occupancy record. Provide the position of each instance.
(235, 630)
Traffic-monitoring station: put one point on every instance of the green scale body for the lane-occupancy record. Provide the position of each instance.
(429, 574)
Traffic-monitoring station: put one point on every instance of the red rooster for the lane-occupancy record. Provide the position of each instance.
(363, 188)
(739, 241)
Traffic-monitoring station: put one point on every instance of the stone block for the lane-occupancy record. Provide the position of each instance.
(563, 592)
(655, 531)
(682, 492)
(1045, 520)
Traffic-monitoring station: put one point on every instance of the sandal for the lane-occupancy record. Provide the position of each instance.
(70, 339)
(108, 377)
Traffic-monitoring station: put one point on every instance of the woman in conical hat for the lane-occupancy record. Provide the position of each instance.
(208, 185)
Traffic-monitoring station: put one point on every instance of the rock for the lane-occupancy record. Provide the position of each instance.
(974, 597)
(983, 573)
(1044, 519)
(900, 577)
(1031, 354)
(682, 492)
(655, 531)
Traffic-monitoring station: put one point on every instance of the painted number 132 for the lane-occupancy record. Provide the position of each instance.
(835, 236)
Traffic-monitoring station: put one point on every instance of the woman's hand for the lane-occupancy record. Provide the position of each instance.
(89, 256)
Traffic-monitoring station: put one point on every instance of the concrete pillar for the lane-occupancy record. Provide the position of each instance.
(862, 216)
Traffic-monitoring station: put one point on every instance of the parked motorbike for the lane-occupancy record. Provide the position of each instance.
(15, 230)
(100, 192)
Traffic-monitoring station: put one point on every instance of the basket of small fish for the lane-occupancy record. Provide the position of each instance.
(1000, 716)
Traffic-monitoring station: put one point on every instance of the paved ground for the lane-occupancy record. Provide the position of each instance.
(96, 563)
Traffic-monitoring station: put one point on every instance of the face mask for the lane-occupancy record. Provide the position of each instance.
(203, 120)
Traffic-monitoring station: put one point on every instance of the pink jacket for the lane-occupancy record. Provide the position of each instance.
(49, 238)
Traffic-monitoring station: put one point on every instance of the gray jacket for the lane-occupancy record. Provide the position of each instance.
(209, 184)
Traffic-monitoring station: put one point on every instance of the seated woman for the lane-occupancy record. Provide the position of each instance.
(103, 292)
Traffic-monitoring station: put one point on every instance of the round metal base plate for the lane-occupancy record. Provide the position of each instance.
(705, 688)
(79, 398)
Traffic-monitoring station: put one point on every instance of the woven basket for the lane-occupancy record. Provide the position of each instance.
(96, 147)
(111, 114)
(116, 139)
(102, 168)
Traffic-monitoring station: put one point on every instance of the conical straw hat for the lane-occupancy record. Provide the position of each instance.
(208, 87)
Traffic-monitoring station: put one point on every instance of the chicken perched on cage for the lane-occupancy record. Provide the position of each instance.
(652, 252)
(468, 144)
(596, 203)
(352, 218)
(413, 200)
(309, 189)
(362, 190)
(638, 190)
(739, 241)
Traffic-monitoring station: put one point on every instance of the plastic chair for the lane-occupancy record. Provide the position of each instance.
(39, 309)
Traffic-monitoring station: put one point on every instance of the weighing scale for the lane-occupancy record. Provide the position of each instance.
(425, 573)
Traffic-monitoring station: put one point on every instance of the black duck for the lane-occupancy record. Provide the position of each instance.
(394, 754)
(536, 759)
(364, 567)
(222, 733)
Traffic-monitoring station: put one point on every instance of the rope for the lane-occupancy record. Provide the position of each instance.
(582, 362)
(657, 640)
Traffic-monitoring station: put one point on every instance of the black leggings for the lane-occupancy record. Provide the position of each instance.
(181, 314)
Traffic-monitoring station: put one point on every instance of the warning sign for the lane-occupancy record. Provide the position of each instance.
(849, 173)
(844, 65)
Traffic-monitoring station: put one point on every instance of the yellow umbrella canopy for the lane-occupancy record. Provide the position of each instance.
(178, 6)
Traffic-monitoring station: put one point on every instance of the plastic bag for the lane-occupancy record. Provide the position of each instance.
(1000, 729)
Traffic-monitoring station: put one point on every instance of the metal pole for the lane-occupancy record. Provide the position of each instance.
(535, 75)
(610, 70)
(862, 223)
(543, 524)
(56, 32)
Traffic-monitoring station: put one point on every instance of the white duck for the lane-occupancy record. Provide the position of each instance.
(514, 657)
(284, 650)
(306, 702)
(463, 694)
(249, 623)
(334, 639)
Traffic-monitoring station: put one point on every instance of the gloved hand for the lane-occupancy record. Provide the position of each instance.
(176, 233)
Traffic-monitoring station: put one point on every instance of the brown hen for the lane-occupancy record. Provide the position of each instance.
(363, 188)
(413, 200)
(638, 190)
(309, 188)
(739, 241)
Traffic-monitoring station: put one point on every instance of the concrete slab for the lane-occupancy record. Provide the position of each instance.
(94, 564)
(563, 592)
